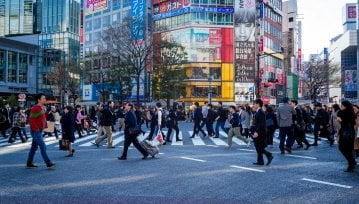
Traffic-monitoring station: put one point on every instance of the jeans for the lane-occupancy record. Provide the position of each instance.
(37, 141)
(220, 123)
(283, 132)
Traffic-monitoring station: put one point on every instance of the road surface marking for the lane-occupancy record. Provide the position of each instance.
(291, 155)
(326, 183)
(188, 158)
(246, 168)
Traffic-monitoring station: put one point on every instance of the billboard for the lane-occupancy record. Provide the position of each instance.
(350, 80)
(138, 19)
(244, 37)
(94, 6)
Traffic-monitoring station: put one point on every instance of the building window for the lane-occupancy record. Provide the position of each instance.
(291, 19)
(97, 23)
(12, 66)
(23, 68)
(2, 65)
(126, 3)
(106, 21)
(88, 25)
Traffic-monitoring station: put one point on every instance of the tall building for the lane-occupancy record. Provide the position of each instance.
(292, 48)
(272, 74)
(205, 29)
(59, 38)
(98, 16)
(16, 17)
(342, 53)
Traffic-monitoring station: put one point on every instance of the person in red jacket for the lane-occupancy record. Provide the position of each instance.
(37, 121)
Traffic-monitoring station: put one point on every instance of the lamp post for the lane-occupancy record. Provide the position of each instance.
(209, 90)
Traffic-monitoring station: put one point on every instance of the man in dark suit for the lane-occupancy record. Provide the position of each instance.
(130, 122)
(197, 118)
(260, 134)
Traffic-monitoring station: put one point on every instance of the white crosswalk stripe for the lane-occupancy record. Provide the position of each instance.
(118, 139)
(196, 140)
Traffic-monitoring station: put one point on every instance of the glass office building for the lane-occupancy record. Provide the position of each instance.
(16, 17)
(59, 38)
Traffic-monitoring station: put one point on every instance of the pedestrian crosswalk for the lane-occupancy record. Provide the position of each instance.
(118, 139)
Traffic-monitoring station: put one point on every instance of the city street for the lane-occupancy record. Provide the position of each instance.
(199, 170)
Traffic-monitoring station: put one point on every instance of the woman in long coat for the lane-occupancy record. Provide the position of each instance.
(68, 128)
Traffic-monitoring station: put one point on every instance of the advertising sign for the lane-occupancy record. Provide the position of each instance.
(94, 6)
(173, 5)
(350, 80)
(244, 37)
(89, 93)
(138, 15)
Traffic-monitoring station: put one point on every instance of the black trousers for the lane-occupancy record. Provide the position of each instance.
(323, 133)
(299, 136)
(260, 148)
(14, 131)
(197, 128)
(346, 147)
(210, 129)
(174, 126)
(132, 139)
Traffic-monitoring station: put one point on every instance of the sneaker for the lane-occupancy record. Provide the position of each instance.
(50, 165)
(31, 166)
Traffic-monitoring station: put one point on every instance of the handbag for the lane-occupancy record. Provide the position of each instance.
(135, 130)
(63, 144)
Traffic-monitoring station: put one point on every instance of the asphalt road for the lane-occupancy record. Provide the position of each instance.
(195, 171)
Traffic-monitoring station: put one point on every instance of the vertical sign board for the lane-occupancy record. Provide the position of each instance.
(138, 19)
(244, 42)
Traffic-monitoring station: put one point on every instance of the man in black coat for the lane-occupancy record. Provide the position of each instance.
(260, 134)
(130, 122)
(197, 118)
(321, 124)
(299, 126)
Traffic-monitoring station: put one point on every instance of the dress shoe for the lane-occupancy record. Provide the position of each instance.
(178, 140)
(70, 155)
(73, 151)
(307, 147)
(216, 137)
(258, 163)
(170, 141)
(122, 158)
(145, 157)
(350, 169)
(288, 149)
(204, 135)
(112, 147)
(270, 158)
(94, 143)
(31, 166)
(282, 152)
(192, 136)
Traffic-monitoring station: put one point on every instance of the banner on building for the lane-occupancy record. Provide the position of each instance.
(138, 19)
(244, 37)
(94, 6)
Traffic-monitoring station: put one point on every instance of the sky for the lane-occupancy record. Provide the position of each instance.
(321, 21)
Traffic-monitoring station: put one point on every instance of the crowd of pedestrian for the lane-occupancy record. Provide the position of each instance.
(256, 123)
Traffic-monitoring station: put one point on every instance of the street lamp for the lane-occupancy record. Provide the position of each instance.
(209, 90)
(258, 81)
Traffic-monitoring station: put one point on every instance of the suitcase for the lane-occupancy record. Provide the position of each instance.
(153, 151)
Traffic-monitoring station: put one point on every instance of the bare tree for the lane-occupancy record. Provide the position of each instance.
(133, 50)
(65, 78)
(168, 73)
(318, 77)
